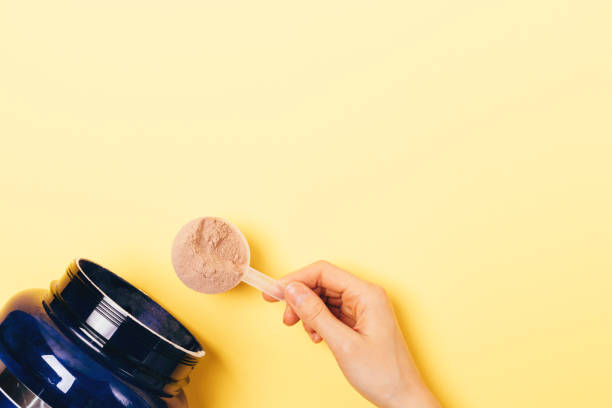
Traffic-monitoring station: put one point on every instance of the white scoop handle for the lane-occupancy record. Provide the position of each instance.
(264, 283)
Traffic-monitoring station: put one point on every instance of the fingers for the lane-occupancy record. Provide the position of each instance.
(268, 298)
(322, 274)
(290, 317)
(330, 283)
(322, 277)
(334, 305)
(314, 336)
(316, 317)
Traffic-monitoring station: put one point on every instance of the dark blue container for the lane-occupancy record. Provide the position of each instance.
(92, 340)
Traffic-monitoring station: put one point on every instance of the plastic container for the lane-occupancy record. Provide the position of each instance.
(92, 340)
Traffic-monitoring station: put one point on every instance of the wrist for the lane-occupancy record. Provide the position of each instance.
(412, 397)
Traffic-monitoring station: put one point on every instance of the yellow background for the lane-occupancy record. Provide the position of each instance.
(457, 152)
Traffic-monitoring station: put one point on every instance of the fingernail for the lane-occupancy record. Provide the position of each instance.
(296, 293)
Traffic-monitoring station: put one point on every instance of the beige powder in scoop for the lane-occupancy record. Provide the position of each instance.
(210, 255)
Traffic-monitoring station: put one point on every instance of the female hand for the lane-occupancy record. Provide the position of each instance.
(356, 320)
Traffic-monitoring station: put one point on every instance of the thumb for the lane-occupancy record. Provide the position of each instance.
(314, 313)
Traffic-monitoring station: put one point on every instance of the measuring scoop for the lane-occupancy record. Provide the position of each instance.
(211, 255)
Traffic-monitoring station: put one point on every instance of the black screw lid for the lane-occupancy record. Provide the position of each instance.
(123, 328)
